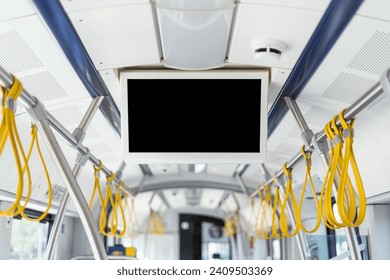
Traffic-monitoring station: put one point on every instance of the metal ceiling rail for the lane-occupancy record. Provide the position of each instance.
(45, 122)
(80, 162)
(380, 88)
(30, 101)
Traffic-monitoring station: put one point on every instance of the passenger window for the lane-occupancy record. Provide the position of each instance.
(28, 239)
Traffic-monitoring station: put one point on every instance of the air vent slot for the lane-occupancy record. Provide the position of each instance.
(16, 56)
(319, 116)
(44, 86)
(316, 118)
(374, 56)
(348, 88)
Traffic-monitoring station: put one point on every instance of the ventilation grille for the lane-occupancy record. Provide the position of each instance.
(348, 88)
(44, 86)
(15, 55)
(316, 117)
(319, 116)
(374, 57)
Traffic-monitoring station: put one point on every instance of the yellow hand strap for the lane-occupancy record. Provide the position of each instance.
(341, 157)
(155, 224)
(347, 211)
(327, 214)
(275, 210)
(289, 195)
(230, 227)
(133, 228)
(237, 221)
(34, 136)
(9, 131)
(307, 158)
(262, 226)
(118, 202)
(260, 192)
(96, 187)
(114, 218)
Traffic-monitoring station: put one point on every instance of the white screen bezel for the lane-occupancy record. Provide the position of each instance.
(187, 158)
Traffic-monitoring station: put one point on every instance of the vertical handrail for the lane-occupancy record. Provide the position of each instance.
(74, 190)
(349, 232)
(367, 99)
(29, 101)
(80, 162)
(43, 119)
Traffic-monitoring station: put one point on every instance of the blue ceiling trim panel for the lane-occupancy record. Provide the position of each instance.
(332, 24)
(61, 27)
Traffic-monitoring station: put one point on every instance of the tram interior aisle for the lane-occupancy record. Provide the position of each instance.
(194, 130)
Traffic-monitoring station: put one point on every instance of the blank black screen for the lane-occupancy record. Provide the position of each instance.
(194, 115)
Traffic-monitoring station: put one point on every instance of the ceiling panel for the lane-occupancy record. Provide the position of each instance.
(111, 79)
(320, 5)
(211, 198)
(76, 5)
(357, 60)
(353, 65)
(256, 22)
(160, 169)
(378, 9)
(176, 197)
(15, 9)
(30, 52)
(278, 78)
(118, 36)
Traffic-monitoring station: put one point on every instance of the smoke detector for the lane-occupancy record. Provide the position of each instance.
(268, 51)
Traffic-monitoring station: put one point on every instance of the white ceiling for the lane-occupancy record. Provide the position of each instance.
(256, 23)
(118, 36)
(122, 33)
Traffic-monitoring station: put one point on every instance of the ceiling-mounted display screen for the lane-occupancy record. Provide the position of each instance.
(194, 117)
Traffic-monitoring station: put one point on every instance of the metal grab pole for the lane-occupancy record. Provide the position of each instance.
(301, 240)
(79, 134)
(54, 233)
(383, 86)
(349, 232)
(30, 101)
(74, 190)
(44, 119)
